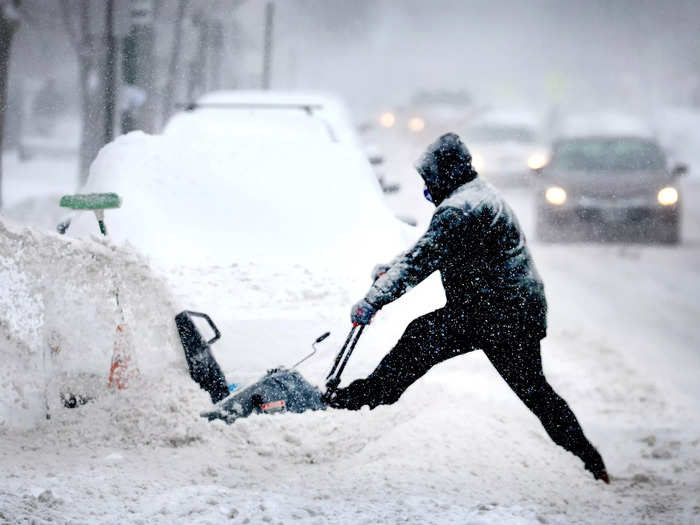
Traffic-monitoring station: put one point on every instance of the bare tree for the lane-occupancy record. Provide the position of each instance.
(175, 52)
(196, 81)
(79, 19)
(9, 21)
(138, 68)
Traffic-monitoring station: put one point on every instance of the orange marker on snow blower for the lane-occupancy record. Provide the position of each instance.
(123, 368)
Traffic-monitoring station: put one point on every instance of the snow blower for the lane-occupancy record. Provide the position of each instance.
(280, 389)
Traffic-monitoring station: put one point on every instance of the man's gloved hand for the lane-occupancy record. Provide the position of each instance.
(379, 270)
(362, 312)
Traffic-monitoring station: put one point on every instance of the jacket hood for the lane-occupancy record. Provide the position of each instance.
(445, 166)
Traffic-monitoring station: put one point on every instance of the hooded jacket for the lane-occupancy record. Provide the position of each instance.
(475, 241)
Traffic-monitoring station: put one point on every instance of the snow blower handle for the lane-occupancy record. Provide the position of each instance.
(97, 202)
(333, 377)
(217, 334)
(319, 339)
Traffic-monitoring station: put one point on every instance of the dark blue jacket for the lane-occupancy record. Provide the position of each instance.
(475, 241)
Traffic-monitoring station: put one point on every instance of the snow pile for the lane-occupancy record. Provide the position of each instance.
(458, 447)
(213, 199)
(58, 319)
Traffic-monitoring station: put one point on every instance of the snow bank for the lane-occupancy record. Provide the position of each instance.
(206, 199)
(58, 317)
(458, 447)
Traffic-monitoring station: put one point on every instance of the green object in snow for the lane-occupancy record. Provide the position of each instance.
(91, 201)
(97, 202)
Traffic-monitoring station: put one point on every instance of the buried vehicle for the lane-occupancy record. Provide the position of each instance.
(279, 390)
(608, 188)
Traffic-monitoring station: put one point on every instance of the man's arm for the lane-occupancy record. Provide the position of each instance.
(416, 264)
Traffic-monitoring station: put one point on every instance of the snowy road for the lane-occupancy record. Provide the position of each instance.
(644, 300)
(457, 448)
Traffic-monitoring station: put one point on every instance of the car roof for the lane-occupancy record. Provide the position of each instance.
(508, 117)
(603, 136)
(325, 107)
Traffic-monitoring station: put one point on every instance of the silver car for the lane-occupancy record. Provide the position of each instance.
(608, 188)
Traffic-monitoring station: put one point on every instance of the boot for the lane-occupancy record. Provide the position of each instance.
(594, 464)
(353, 397)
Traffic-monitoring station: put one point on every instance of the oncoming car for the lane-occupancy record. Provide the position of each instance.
(428, 113)
(608, 188)
(505, 145)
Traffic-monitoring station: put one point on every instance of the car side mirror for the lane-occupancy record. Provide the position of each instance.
(376, 159)
(679, 170)
(411, 221)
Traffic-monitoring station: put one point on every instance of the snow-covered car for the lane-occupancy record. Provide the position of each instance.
(376, 159)
(317, 113)
(505, 145)
(606, 187)
(279, 113)
(247, 176)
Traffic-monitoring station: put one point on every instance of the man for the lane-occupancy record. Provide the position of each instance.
(495, 300)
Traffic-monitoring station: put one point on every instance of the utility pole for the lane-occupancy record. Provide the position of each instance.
(267, 56)
(110, 88)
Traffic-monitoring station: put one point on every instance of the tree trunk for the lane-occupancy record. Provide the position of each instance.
(267, 51)
(109, 74)
(217, 56)
(9, 21)
(138, 69)
(172, 66)
(91, 61)
(197, 79)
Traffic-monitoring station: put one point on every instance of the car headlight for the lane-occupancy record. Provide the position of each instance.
(478, 162)
(667, 196)
(387, 119)
(537, 160)
(555, 195)
(416, 124)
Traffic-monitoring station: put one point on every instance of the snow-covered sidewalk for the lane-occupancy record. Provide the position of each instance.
(458, 447)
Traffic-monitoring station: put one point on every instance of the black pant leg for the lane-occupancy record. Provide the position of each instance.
(521, 367)
(427, 341)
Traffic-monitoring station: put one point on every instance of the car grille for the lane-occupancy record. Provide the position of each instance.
(603, 203)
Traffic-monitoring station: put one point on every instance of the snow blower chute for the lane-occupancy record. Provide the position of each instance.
(280, 389)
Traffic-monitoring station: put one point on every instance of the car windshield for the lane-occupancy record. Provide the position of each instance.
(501, 134)
(608, 154)
(446, 98)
